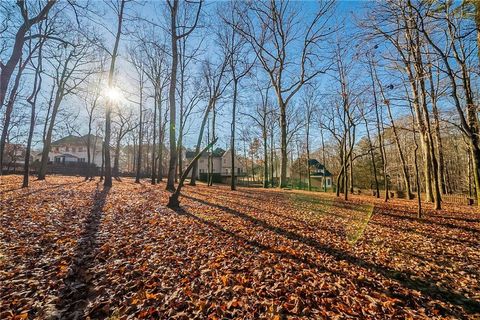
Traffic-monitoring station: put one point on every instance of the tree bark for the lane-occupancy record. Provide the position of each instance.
(232, 133)
(8, 112)
(283, 142)
(108, 113)
(172, 91)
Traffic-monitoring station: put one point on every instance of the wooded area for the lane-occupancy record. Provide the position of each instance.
(372, 104)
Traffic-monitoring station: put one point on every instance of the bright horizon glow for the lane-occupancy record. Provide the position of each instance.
(113, 94)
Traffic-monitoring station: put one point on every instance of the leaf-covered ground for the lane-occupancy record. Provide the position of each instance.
(70, 249)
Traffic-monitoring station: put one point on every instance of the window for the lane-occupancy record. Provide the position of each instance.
(239, 170)
(81, 160)
(57, 149)
(73, 149)
(80, 149)
(328, 182)
(201, 160)
(67, 149)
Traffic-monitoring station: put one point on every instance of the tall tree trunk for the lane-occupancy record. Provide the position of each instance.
(32, 100)
(102, 166)
(438, 138)
(309, 179)
(406, 175)
(48, 138)
(265, 154)
(161, 136)
(108, 109)
(116, 157)
(232, 132)
(372, 154)
(283, 142)
(9, 110)
(379, 133)
(172, 90)
(153, 180)
(140, 138)
(272, 167)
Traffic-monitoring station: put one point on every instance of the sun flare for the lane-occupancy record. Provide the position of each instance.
(113, 93)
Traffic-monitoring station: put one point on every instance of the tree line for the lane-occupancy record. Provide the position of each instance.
(385, 97)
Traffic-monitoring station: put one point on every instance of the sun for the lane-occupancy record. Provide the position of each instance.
(113, 93)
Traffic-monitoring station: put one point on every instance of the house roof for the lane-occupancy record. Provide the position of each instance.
(77, 140)
(218, 152)
(67, 155)
(314, 163)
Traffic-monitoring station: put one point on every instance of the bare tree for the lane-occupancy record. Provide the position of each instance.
(7, 68)
(72, 65)
(173, 6)
(272, 40)
(108, 110)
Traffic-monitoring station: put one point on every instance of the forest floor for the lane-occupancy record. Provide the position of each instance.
(71, 249)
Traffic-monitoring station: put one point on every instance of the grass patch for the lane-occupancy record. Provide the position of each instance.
(359, 222)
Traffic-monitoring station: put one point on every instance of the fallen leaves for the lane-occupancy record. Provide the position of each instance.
(68, 248)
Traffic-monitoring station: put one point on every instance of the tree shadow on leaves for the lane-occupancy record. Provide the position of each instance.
(405, 215)
(405, 278)
(77, 284)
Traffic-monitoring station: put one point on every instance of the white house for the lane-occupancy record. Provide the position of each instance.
(221, 163)
(72, 149)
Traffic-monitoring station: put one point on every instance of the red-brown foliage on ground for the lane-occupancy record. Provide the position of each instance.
(69, 248)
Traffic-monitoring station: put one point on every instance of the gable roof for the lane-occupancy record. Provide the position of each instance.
(314, 163)
(76, 140)
(218, 152)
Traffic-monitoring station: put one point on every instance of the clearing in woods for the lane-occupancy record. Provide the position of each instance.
(69, 248)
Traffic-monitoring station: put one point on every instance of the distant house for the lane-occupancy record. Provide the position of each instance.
(221, 164)
(319, 174)
(13, 157)
(73, 149)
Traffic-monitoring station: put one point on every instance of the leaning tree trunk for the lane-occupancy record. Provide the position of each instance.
(199, 141)
(173, 201)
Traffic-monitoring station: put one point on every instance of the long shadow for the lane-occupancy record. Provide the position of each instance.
(405, 278)
(428, 235)
(458, 218)
(306, 223)
(77, 284)
(26, 194)
(401, 216)
(365, 283)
